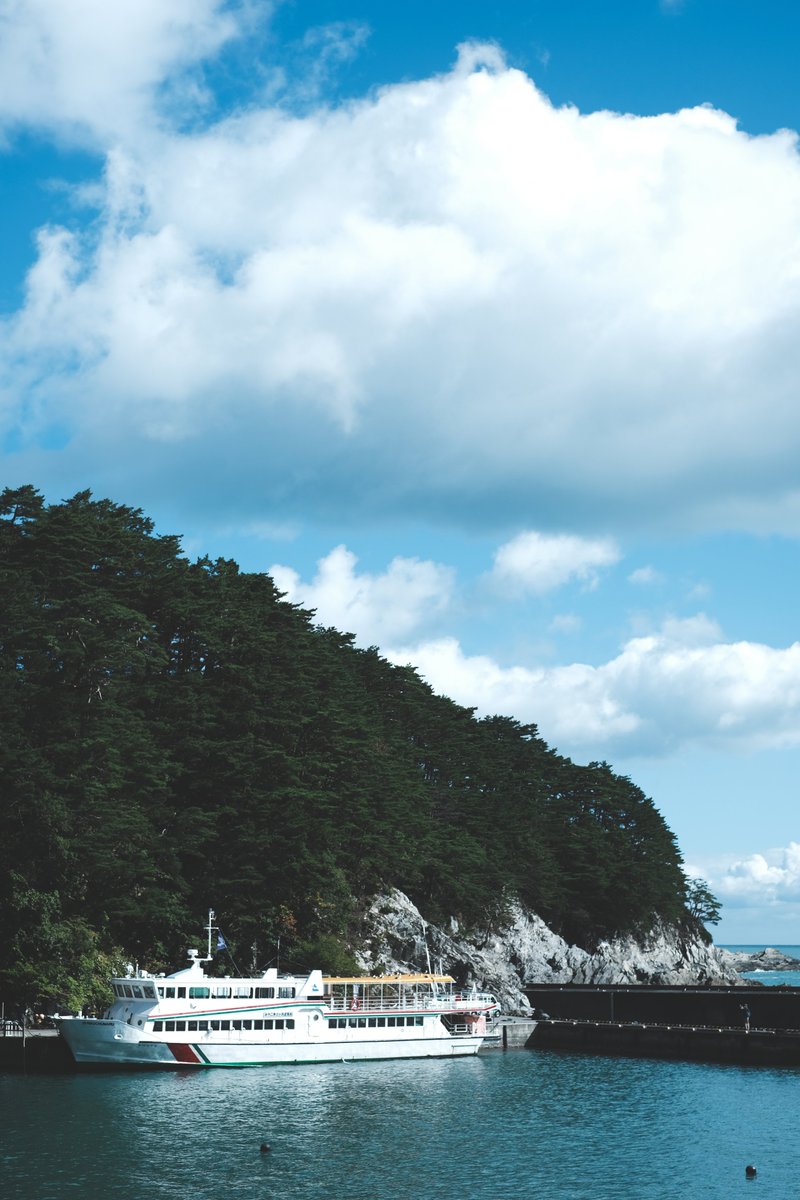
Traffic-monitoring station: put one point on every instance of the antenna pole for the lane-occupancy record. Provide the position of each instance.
(210, 927)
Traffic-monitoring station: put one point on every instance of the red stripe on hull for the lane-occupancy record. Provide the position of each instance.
(184, 1053)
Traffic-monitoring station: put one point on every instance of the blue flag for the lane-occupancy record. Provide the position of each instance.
(221, 943)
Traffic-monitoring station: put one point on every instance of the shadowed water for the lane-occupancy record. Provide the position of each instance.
(502, 1126)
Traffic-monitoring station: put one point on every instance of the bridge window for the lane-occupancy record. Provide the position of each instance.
(198, 993)
(265, 993)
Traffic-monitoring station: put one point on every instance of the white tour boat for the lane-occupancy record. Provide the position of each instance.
(190, 1019)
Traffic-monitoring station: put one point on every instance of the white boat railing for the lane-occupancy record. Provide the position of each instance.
(459, 1001)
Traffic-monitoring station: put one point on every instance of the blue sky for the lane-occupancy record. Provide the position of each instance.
(475, 325)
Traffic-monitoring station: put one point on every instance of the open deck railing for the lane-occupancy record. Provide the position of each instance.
(412, 1003)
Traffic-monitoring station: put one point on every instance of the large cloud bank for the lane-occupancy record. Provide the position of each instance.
(681, 685)
(450, 296)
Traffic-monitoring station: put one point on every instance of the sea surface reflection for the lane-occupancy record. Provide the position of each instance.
(502, 1126)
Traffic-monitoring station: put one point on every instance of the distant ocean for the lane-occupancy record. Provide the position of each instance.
(771, 978)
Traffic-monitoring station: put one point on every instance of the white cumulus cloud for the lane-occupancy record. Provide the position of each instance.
(678, 687)
(537, 562)
(407, 596)
(95, 66)
(450, 296)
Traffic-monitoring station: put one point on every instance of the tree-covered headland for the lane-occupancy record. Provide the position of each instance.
(176, 736)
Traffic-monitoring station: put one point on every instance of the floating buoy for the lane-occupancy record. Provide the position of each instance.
(265, 1149)
(750, 1171)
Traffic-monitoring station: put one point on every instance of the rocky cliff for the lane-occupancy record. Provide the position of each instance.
(525, 951)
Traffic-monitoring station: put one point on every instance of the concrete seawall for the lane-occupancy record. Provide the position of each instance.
(36, 1052)
(770, 1007)
(759, 1047)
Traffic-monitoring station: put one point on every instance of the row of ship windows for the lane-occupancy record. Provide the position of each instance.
(145, 991)
(372, 1022)
(205, 1026)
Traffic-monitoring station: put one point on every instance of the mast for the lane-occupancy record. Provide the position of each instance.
(210, 927)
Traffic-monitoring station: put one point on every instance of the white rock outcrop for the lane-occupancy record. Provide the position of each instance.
(524, 952)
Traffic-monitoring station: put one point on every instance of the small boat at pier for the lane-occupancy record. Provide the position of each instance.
(191, 1019)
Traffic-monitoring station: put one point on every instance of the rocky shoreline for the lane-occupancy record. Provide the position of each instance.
(524, 952)
(769, 959)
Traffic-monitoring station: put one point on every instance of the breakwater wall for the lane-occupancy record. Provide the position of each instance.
(35, 1052)
(758, 1047)
(774, 1008)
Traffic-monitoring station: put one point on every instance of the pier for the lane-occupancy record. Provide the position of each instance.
(34, 1050)
(769, 1007)
(755, 1025)
(702, 1043)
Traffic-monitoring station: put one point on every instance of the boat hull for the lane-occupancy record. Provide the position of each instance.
(113, 1043)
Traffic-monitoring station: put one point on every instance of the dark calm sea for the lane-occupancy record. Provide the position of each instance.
(501, 1126)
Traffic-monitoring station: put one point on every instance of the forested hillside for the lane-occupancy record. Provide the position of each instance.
(176, 736)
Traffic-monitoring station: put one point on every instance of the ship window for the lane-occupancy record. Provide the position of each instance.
(373, 1022)
(137, 991)
(225, 1025)
(160, 992)
(290, 1024)
(286, 993)
(265, 993)
(202, 1026)
(169, 1026)
(215, 1024)
(243, 993)
(236, 1025)
(417, 1020)
(158, 1026)
(279, 1024)
(222, 993)
(247, 1024)
(269, 1024)
(180, 1027)
(258, 1024)
(149, 991)
(352, 1022)
(169, 993)
(362, 1022)
(181, 993)
(391, 1021)
(381, 1022)
(198, 993)
(191, 1026)
(126, 989)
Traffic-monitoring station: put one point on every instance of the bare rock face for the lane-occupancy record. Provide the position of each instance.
(768, 959)
(525, 952)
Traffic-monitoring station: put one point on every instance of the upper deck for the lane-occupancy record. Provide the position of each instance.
(383, 993)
